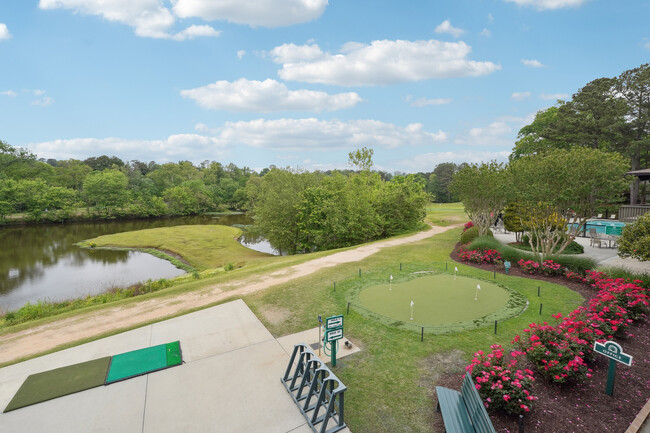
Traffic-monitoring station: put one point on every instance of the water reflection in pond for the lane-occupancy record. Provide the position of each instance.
(41, 262)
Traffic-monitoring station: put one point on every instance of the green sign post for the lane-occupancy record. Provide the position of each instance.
(615, 353)
(333, 333)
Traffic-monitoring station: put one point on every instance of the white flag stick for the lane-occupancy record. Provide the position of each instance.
(390, 283)
(455, 271)
(478, 287)
(412, 309)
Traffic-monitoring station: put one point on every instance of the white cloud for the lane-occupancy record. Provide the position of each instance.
(549, 4)
(9, 93)
(267, 96)
(428, 161)
(149, 18)
(532, 63)
(520, 96)
(278, 135)
(241, 54)
(44, 101)
(264, 13)
(314, 134)
(554, 96)
(446, 27)
(490, 18)
(646, 43)
(499, 133)
(486, 33)
(381, 62)
(4, 32)
(423, 102)
(196, 31)
(173, 148)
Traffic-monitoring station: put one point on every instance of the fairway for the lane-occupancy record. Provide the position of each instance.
(437, 300)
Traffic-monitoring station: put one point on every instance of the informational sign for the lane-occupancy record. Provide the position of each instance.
(613, 230)
(333, 335)
(613, 351)
(334, 322)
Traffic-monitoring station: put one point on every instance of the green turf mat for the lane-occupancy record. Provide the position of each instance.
(143, 361)
(59, 382)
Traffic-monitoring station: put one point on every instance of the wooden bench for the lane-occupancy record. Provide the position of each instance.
(464, 411)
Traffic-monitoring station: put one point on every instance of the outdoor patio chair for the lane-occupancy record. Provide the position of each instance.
(600, 216)
(596, 241)
(612, 216)
(593, 233)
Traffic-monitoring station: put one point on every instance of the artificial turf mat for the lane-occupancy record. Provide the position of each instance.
(59, 382)
(142, 361)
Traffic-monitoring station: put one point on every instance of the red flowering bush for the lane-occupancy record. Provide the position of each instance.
(549, 267)
(558, 355)
(480, 256)
(468, 225)
(500, 382)
(529, 266)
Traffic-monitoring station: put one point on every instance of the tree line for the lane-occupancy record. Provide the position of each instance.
(107, 187)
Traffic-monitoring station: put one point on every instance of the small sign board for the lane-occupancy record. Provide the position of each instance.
(333, 335)
(613, 351)
(334, 322)
(614, 230)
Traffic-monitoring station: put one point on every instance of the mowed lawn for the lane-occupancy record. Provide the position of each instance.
(202, 246)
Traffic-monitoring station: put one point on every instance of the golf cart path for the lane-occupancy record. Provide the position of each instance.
(38, 339)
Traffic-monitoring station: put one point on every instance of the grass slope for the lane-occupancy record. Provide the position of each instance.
(202, 246)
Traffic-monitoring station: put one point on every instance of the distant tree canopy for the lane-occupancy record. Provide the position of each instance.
(109, 187)
(610, 114)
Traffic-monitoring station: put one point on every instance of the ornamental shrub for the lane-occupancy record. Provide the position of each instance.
(480, 256)
(557, 355)
(470, 234)
(500, 382)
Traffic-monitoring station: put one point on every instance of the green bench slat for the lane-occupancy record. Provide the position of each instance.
(475, 407)
(463, 412)
(454, 413)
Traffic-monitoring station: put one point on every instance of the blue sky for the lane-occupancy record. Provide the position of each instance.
(300, 83)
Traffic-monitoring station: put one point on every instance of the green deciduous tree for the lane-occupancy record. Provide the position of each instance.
(484, 189)
(106, 190)
(635, 240)
(562, 184)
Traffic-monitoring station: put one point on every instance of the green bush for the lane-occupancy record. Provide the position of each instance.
(470, 234)
(628, 275)
(573, 263)
(513, 255)
(572, 248)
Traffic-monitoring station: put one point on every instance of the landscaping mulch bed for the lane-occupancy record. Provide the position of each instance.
(584, 407)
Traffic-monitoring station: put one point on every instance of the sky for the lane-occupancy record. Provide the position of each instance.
(300, 83)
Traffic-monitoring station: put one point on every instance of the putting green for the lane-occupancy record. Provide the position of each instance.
(437, 300)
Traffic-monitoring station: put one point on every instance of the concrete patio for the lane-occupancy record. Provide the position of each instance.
(229, 381)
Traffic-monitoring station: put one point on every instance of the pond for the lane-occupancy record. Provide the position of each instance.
(41, 262)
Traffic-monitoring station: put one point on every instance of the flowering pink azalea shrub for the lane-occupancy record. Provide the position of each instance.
(558, 355)
(530, 266)
(500, 382)
(549, 267)
(468, 225)
(480, 256)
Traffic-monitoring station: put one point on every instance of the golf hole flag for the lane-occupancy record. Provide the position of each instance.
(455, 268)
(412, 304)
(478, 287)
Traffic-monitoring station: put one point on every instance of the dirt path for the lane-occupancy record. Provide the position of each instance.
(65, 331)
